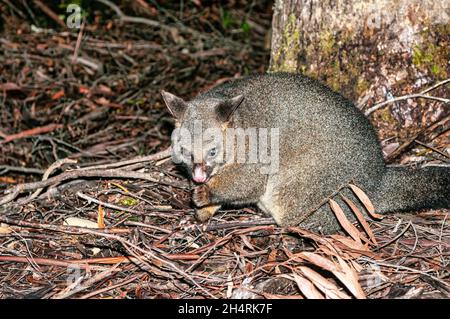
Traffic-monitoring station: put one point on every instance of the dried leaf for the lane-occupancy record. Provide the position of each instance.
(318, 260)
(229, 286)
(7, 180)
(356, 266)
(79, 222)
(345, 223)
(365, 200)
(101, 217)
(307, 288)
(360, 248)
(58, 95)
(270, 260)
(103, 101)
(95, 251)
(325, 244)
(5, 229)
(34, 131)
(323, 284)
(103, 89)
(83, 89)
(342, 271)
(361, 219)
(247, 242)
(9, 86)
(351, 279)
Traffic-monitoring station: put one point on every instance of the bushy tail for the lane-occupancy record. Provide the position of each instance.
(404, 189)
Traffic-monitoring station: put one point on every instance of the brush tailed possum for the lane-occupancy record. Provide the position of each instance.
(294, 143)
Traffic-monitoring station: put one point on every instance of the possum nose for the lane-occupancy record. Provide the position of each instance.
(199, 175)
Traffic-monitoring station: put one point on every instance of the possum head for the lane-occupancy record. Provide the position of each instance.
(198, 139)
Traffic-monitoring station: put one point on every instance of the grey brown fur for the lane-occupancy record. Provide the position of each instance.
(325, 143)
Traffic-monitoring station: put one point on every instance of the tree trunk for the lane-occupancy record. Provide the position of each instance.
(365, 49)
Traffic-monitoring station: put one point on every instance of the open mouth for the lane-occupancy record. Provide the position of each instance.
(199, 175)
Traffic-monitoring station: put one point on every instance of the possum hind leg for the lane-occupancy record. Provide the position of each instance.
(293, 201)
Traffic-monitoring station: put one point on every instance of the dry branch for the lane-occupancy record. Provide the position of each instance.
(411, 96)
(31, 132)
(50, 13)
(74, 174)
(125, 18)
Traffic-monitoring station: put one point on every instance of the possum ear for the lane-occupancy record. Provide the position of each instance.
(226, 108)
(175, 104)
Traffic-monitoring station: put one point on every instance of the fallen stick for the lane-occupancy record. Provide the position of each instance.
(12, 193)
(149, 253)
(422, 94)
(125, 18)
(31, 132)
(47, 173)
(240, 224)
(81, 263)
(140, 159)
(110, 173)
(50, 13)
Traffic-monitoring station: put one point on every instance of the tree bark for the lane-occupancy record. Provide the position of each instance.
(360, 46)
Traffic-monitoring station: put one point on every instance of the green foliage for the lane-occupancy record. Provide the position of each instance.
(229, 22)
(245, 27)
(227, 19)
(129, 201)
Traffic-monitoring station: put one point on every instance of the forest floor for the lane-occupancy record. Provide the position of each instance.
(112, 216)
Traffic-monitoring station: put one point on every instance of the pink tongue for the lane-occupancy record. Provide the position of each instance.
(199, 175)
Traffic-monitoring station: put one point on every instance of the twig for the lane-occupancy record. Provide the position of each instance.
(380, 263)
(138, 224)
(432, 148)
(78, 44)
(213, 246)
(149, 158)
(107, 173)
(50, 13)
(31, 132)
(47, 173)
(22, 15)
(240, 224)
(94, 65)
(124, 242)
(411, 96)
(120, 284)
(52, 262)
(112, 206)
(26, 170)
(435, 86)
(58, 228)
(73, 289)
(395, 238)
(125, 18)
(411, 140)
(94, 173)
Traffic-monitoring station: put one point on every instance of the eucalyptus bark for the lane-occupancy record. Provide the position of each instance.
(350, 44)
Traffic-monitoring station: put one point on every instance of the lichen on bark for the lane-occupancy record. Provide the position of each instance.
(352, 44)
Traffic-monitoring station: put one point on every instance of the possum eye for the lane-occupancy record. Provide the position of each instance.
(212, 152)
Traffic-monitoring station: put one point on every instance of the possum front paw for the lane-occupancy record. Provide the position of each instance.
(200, 196)
(205, 213)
